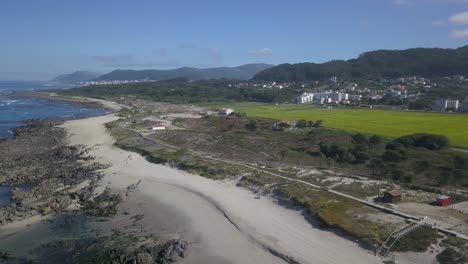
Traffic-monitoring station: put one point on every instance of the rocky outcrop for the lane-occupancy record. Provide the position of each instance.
(38, 156)
(172, 251)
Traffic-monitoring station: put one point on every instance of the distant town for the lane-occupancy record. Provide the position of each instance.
(402, 93)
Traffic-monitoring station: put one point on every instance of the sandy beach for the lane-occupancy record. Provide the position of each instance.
(223, 223)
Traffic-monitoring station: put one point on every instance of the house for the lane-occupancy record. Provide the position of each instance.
(225, 111)
(305, 98)
(158, 126)
(444, 104)
(392, 196)
(444, 200)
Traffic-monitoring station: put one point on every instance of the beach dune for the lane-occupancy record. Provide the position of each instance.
(222, 222)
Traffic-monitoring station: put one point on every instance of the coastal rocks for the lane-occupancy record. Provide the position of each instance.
(172, 251)
(37, 155)
(144, 258)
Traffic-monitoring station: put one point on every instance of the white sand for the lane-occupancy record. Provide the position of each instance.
(201, 207)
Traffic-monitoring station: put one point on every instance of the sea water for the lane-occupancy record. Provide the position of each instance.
(15, 109)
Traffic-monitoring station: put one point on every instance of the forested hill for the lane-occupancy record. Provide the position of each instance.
(424, 62)
(244, 72)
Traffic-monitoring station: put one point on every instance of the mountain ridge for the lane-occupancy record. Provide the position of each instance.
(243, 72)
(424, 62)
(77, 76)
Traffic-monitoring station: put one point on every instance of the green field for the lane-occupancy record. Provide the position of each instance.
(380, 122)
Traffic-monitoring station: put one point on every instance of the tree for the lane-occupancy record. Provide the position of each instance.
(359, 139)
(375, 140)
(310, 124)
(360, 156)
(252, 125)
(318, 123)
(301, 124)
(391, 156)
(376, 164)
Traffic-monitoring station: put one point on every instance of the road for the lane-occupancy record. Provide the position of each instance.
(427, 221)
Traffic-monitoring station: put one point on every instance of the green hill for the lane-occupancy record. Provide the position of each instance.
(424, 62)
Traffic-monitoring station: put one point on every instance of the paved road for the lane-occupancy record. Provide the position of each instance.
(427, 221)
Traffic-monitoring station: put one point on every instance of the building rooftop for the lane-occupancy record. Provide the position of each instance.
(443, 197)
(394, 193)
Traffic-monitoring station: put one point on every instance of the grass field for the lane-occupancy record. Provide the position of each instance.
(380, 122)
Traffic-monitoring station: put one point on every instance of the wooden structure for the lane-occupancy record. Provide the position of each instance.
(444, 200)
(392, 196)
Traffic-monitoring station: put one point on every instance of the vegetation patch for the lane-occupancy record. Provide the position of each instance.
(341, 213)
(103, 205)
(418, 241)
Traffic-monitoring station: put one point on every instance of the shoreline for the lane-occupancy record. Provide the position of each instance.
(263, 225)
(84, 101)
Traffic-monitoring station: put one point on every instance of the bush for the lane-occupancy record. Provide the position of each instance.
(429, 141)
(252, 125)
(418, 240)
(393, 146)
(451, 256)
(391, 156)
(359, 139)
(335, 151)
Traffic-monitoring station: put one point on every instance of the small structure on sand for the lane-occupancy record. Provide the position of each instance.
(444, 200)
(158, 126)
(392, 196)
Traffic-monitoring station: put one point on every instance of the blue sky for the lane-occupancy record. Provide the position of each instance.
(41, 39)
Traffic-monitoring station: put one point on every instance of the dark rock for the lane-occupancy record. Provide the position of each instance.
(144, 258)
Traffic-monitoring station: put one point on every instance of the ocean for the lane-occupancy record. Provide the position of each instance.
(15, 109)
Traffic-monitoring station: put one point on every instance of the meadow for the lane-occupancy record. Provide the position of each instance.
(379, 122)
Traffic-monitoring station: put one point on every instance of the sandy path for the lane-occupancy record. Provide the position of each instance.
(225, 222)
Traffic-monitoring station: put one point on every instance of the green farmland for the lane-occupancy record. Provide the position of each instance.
(380, 122)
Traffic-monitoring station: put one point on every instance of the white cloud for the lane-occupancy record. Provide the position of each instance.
(459, 34)
(459, 18)
(262, 52)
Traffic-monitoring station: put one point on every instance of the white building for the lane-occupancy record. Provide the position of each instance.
(305, 98)
(158, 126)
(226, 111)
(443, 104)
(351, 87)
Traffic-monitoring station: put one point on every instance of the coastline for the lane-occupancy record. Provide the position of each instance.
(94, 102)
(259, 231)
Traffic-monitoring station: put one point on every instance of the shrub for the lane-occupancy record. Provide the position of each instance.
(359, 139)
(252, 125)
(391, 156)
(418, 240)
(451, 256)
(429, 141)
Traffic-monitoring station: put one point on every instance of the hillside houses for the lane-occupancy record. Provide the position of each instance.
(327, 97)
(445, 104)
(305, 98)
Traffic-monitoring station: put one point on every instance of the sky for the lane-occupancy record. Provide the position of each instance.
(41, 39)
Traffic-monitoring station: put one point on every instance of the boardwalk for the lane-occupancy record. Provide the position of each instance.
(426, 221)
